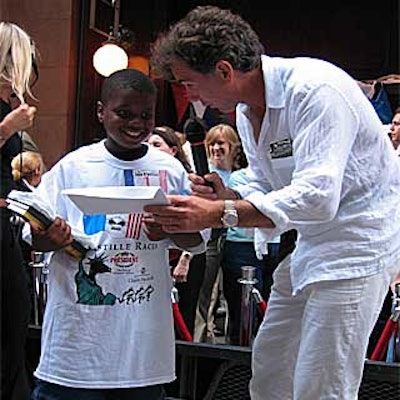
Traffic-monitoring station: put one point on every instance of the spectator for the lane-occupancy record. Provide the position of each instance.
(165, 139)
(238, 251)
(395, 130)
(188, 269)
(17, 56)
(222, 147)
(27, 169)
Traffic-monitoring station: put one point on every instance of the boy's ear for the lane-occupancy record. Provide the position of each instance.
(100, 111)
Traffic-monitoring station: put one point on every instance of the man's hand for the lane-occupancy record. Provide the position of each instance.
(212, 192)
(55, 237)
(153, 229)
(187, 214)
(156, 232)
(194, 214)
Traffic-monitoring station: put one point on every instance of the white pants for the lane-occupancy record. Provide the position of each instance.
(312, 346)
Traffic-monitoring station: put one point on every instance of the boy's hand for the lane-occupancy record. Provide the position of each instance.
(55, 237)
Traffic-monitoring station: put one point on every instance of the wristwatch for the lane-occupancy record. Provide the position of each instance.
(230, 217)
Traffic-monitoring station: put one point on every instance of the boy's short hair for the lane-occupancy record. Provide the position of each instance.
(127, 79)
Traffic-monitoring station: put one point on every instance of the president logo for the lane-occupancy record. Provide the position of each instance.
(124, 259)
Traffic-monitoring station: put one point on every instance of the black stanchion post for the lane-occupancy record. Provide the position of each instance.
(39, 273)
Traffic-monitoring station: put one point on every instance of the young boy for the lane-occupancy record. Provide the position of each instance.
(108, 329)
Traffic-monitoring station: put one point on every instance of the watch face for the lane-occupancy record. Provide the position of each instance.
(230, 219)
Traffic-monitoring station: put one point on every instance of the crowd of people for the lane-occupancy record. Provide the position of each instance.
(294, 188)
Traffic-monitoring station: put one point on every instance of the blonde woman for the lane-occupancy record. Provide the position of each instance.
(16, 65)
(222, 145)
(223, 149)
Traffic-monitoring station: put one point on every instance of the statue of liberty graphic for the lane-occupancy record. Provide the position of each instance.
(88, 290)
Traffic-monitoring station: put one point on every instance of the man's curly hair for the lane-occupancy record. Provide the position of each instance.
(204, 36)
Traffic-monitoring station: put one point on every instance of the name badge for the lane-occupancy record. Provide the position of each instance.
(281, 148)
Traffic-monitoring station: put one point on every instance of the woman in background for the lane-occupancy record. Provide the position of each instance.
(222, 145)
(166, 139)
(188, 270)
(16, 64)
(27, 170)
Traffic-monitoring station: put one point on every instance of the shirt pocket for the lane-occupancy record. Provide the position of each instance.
(283, 169)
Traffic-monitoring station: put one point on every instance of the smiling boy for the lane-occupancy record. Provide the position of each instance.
(108, 330)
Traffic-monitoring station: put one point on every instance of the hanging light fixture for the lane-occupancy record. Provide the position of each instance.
(111, 57)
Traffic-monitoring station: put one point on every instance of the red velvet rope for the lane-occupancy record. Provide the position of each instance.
(379, 352)
(262, 307)
(180, 324)
(260, 302)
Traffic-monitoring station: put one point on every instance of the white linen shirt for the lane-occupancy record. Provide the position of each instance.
(341, 188)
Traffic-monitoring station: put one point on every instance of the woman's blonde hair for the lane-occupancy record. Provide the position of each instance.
(26, 165)
(230, 135)
(17, 53)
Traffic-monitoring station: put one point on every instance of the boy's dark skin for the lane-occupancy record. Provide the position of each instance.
(128, 119)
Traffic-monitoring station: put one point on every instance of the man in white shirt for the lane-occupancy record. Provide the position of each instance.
(312, 136)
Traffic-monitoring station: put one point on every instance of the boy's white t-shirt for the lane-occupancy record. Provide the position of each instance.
(108, 320)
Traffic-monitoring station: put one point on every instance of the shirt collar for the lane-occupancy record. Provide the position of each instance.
(274, 93)
(274, 96)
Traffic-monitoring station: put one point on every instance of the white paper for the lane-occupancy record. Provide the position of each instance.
(115, 199)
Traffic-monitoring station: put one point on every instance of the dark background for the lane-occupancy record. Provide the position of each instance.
(362, 39)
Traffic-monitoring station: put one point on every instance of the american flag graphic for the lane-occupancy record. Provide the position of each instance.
(134, 226)
(142, 178)
(163, 180)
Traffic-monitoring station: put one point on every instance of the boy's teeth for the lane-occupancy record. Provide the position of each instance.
(130, 133)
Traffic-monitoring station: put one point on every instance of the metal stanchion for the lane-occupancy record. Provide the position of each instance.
(390, 328)
(40, 273)
(248, 280)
